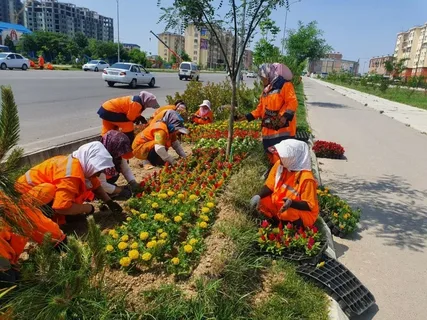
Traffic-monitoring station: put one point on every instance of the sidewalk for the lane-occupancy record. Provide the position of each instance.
(408, 115)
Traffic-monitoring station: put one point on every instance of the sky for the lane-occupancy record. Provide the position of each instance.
(359, 29)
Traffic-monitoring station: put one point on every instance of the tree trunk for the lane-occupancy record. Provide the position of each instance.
(232, 111)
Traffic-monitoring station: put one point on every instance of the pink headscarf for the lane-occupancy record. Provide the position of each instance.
(148, 100)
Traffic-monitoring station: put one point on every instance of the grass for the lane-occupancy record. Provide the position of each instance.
(302, 123)
(413, 98)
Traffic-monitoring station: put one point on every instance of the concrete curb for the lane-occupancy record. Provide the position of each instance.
(34, 158)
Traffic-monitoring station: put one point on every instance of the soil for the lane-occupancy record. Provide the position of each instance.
(268, 279)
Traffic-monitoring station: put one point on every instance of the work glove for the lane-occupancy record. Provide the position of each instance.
(134, 186)
(126, 193)
(254, 203)
(114, 206)
(287, 203)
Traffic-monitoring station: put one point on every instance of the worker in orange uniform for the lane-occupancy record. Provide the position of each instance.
(62, 183)
(290, 192)
(276, 108)
(204, 115)
(11, 247)
(179, 107)
(41, 62)
(152, 144)
(121, 113)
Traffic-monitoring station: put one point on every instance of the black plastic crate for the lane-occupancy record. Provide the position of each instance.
(302, 135)
(353, 297)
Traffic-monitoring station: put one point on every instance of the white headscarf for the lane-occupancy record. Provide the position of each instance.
(93, 158)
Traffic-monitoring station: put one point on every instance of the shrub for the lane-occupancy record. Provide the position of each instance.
(326, 149)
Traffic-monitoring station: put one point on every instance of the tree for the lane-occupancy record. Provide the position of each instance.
(138, 56)
(395, 68)
(265, 51)
(307, 43)
(184, 55)
(243, 16)
(8, 42)
(81, 41)
(269, 26)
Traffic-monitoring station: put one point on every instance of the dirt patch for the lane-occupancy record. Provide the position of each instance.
(268, 279)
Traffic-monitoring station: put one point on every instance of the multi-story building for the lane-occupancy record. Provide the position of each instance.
(131, 46)
(54, 16)
(333, 62)
(377, 65)
(11, 11)
(174, 41)
(411, 45)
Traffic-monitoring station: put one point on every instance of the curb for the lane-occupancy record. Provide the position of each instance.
(34, 158)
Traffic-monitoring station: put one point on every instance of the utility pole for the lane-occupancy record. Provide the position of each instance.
(118, 32)
(284, 27)
(242, 42)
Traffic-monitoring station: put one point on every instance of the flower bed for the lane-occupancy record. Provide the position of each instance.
(337, 213)
(326, 149)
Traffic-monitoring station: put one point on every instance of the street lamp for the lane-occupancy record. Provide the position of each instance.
(284, 28)
(118, 32)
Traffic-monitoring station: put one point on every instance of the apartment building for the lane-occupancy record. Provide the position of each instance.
(174, 41)
(11, 11)
(377, 65)
(333, 62)
(55, 16)
(412, 45)
(131, 46)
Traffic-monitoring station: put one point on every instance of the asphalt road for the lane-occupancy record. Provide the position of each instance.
(385, 175)
(60, 106)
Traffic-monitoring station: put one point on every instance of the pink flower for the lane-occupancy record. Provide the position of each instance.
(271, 236)
(265, 224)
(314, 229)
(310, 243)
(289, 226)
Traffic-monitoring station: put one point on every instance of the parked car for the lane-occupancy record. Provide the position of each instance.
(128, 73)
(251, 74)
(95, 65)
(188, 70)
(13, 61)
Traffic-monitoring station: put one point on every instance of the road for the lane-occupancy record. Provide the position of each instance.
(60, 106)
(385, 175)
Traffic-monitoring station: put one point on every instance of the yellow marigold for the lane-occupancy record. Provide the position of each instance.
(181, 214)
(158, 217)
(175, 261)
(146, 256)
(177, 219)
(159, 230)
(123, 227)
(134, 245)
(210, 205)
(154, 238)
(125, 261)
(193, 197)
(163, 235)
(346, 216)
(115, 236)
(188, 248)
(129, 219)
(151, 244)
(134, 212)
(133, 254)
(143, 235)
(143, 216)
(112, 232)
(148, 201)
(335, 215)
(124, 238)
(193, 241)
(204, 217)
(109, 248)
(162, 196)
(341, 226)
(203, 225)
(122, 245)
(181, 196)
(154, 205)
(205, 210)
(171, 193)
(174, 201)
(161, 242)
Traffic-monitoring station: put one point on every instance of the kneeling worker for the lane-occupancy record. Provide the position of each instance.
(179, 107)
(204, 115)
(290, 192)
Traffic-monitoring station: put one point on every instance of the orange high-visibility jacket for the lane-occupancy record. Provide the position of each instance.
(274, 108)
(157, 133)
(208, 118)
(123, 109)
(159, 113)
(11, 245)
(298, 186)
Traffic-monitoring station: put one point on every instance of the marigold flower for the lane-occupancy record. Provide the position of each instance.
(181, 214)
(162, 195)
(163, 235)
(181, 196)
(158, 217)
(125, 261)
(129, 219)
(146, 256)
(204, 217)
(175, 261)
(210, 205)
(193, 241)
(124, 238)
(109, 248)
(159, 230)
(203, 225)
(143, 216)
(188, 248)
(177, 219)
(174, 201)
(151, 244)
(205, 210)
(134, 212)
(122, 245)
(133, 254)
(115, 236)
(154, 205)
(161, 242)
(171, 193)
(134, 245)
(112, 232)
(193, 197)
(144, 235)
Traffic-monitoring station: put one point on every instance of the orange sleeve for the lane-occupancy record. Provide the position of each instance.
(271, 180)
(309, 193)
(160, 137)
(290, 98)
(68, 189)
(210, 116)
(96, 183)
(259, 111)
(134, 111)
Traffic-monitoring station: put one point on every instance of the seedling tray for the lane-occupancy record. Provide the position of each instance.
(334, 229)
(353, 297)
(302, 135)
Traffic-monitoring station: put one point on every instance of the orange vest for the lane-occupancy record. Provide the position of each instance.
(11, 245)
(147, 134)
(129, 106)
(208, 116)
(291, 185)
(272, 107)
(159, 113)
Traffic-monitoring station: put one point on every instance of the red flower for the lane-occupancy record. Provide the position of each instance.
(300, 230)
(289, 226)
(310, 243)
(271, 236)
(304, 235)
(263, 238)
(314, 229)
(280, 225)
(265, 224)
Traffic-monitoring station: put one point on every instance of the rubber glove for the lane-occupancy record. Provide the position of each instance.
(255, 202)
(286, 205)
(114, 206)
(126, 193)
(134, 186)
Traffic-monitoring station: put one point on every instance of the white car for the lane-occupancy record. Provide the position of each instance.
(13, 61)
(128, 73)
(251, 75)
(95, 65)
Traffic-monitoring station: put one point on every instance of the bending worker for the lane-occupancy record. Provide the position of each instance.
(63, 182)
(289, 194)
(121, 113)
(276, 108)
(152, 144)
(204, 115)
(179, 107)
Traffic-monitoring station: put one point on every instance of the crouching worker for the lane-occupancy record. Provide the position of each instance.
(289, 194)
(62, 183)
(152, 144)
(204, 115)
(179, 107)
(121, 113)
(120, 148)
